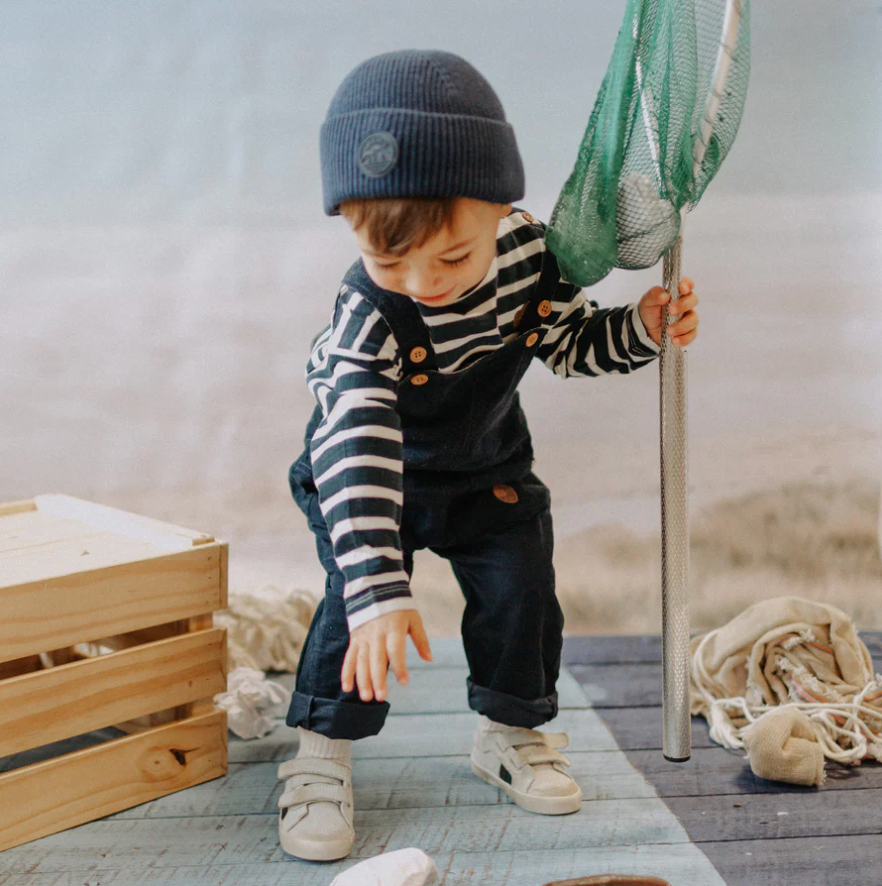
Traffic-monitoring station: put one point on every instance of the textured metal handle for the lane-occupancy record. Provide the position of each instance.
(677, 737)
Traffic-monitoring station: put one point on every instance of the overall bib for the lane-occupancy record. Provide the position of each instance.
(470, 497)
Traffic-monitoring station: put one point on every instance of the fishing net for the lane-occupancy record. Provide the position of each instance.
(665, 118)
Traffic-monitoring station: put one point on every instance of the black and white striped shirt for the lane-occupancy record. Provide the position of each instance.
(354, 370)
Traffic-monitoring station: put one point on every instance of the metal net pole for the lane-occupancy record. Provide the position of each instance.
(677, 738)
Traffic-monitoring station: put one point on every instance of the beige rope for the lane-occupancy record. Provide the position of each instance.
(266, 629)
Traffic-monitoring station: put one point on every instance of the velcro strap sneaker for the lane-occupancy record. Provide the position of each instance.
(526, 765)
(316, 809)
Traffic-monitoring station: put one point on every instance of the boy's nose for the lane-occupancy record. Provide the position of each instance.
(425, 285)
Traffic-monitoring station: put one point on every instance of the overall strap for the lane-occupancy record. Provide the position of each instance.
(403, 317)
(539, 306)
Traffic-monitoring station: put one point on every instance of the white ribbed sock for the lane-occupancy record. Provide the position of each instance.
(313, 744)
(485, 724)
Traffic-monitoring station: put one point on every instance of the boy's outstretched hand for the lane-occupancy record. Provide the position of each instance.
(376, 645)
(684, 330)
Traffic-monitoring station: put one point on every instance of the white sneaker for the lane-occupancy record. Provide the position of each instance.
(315, 821)
(525, 764)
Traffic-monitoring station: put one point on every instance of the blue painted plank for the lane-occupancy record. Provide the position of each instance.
(442, 690)
(681, 864)
(401, 783)
(249, 839)
(422, 735)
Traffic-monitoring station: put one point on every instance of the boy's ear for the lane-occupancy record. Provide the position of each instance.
(505, 210)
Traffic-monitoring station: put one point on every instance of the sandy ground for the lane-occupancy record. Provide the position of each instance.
(785, 515)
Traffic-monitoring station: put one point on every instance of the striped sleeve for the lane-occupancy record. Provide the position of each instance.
(353, 373)
(587, 340)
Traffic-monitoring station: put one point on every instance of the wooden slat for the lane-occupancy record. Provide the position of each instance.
(17, 507)
(622, 686)
(71, 699)
(38, 530)
(422, 735)
(135, 526)
(647, 649)
(404, 783)
(681, 864)
(205, 622)
(873, 639)
(502, 828)
(715, 771)
(77, 608)
(223, 573)
(431, 691)
(447, 652)
(80, 552)
(641, 728)
(85, 785)
(819, 813)
(609, 649)
(807, 861)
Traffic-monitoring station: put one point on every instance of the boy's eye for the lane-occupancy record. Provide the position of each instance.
(457, 261)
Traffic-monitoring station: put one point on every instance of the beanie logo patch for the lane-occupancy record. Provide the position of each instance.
(378, 154)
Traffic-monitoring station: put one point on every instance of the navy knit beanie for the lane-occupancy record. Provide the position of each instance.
(418, 123)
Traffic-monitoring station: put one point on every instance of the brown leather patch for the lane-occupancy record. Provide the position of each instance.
(505, 493)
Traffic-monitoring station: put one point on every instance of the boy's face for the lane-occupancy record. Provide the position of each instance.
(449, 264)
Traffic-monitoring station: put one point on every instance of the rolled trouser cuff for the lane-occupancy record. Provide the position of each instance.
(509, 709)
(336, 719)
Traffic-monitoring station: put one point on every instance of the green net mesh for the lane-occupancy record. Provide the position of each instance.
(648, 154)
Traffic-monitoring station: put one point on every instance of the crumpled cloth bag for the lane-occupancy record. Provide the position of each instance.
(250, 702)
(404, 867)
(797, 653)
(266, 630)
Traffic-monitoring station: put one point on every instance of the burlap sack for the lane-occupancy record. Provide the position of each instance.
(796, 653)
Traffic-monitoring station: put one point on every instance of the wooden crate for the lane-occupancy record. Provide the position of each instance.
(105, 621)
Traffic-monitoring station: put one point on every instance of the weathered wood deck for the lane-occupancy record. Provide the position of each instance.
(413, 787)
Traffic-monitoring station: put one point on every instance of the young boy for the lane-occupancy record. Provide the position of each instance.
(418, 440)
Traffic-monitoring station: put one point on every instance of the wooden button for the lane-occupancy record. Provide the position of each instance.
(532, 338)
(544, 308)
(529, 218)
(418, 355)
(505, 493)
(420, 379)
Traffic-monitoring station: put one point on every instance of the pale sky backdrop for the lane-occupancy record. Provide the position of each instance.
(164, 258)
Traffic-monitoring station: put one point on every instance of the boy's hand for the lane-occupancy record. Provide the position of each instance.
(652, 304)
(377, 644)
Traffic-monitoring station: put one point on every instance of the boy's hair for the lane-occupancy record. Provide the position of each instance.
(395, 224)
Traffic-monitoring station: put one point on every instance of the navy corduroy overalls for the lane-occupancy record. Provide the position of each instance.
(471, 497)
